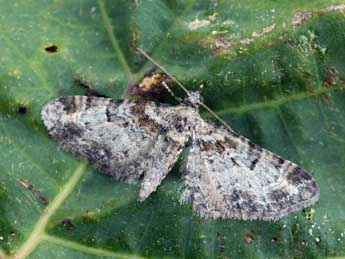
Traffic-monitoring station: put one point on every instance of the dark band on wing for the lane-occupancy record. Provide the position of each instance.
(219, 146)
(298, 176)
(68, 132)
(144, 120)
(253, 164)
(69, 104)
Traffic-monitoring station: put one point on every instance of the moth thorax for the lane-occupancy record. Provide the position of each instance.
(194, 99)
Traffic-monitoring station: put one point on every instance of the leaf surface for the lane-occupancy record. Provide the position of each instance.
(274, 70)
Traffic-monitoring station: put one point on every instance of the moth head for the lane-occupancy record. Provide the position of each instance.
(194, 99)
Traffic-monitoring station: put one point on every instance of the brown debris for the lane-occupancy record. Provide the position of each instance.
(51, 48)
(222, 42)
(332, 8)
(27, 185)
(327, 99)
(300, 17)
(67, 223)
(248, 237)
(331, 77)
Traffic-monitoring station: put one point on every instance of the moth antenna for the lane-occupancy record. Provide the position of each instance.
(171, 92)
(182, 87)
(216, 116)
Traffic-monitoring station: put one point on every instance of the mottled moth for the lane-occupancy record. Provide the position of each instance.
(225, 175)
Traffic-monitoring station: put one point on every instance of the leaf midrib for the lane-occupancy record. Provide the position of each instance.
(38, 232)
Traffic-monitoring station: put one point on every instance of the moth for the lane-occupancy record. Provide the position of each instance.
(225, 174)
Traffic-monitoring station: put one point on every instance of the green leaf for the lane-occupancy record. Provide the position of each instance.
(274, 70)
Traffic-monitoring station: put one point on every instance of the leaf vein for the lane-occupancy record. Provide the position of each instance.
(87, 249)
(115, 44)
(38, 231)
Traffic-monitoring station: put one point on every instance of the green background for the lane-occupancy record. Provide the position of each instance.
(275, 80)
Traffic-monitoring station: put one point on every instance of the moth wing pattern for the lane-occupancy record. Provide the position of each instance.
(126, 139)
(164, 155)
(228, 176)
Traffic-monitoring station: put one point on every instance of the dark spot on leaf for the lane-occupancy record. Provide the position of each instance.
(22, 110)
(42, 199)
(67, 223)
(51, 48)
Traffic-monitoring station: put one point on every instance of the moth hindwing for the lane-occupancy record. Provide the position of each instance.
(226, 175)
